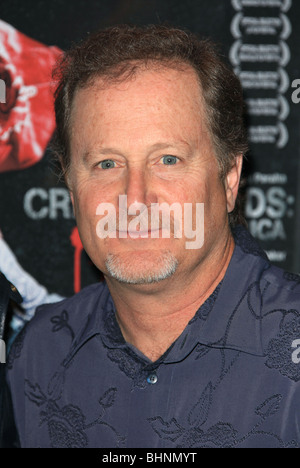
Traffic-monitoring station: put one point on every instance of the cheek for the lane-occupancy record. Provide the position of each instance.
(194, 189)
(85, 202)
(209, 190)
(216, 208)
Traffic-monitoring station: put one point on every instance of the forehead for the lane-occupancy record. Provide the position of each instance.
(164, 99)
(145, 82)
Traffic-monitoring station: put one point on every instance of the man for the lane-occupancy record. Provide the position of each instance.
(189, 342)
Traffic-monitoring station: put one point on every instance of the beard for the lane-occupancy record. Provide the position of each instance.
(142, 267)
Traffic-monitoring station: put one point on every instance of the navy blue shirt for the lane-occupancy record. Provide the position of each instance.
(231, 379)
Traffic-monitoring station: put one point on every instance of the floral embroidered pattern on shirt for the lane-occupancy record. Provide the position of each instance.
(280, 350)
(195, 432)
(67, 425)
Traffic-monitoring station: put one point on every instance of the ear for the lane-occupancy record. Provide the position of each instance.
(232, 182)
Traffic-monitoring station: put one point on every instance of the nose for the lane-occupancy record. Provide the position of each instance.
(139, 187)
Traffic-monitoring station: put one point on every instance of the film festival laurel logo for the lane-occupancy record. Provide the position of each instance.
(157, 221)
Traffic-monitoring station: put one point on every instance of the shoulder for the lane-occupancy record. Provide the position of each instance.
(78, 306)
(282, 287)
(280, 321)
(264, 306)
(252, 263)
(39, 338)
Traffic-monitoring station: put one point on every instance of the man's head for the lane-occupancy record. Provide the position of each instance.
(116, 53)
(152, 113)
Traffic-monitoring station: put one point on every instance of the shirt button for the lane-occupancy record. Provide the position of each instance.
(152, 379)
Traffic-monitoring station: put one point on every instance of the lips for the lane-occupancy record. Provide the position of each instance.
(156, 233)
(134, 234)
(134, 221)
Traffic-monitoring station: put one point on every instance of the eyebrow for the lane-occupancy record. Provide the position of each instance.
(102, 151)
(89, 154)
(162, 145)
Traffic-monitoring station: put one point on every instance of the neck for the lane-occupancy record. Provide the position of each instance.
(152, 317)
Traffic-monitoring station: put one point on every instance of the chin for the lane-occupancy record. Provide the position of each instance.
(141, 267)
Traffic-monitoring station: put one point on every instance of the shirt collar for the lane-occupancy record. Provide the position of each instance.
(234, 309)
(229, 318)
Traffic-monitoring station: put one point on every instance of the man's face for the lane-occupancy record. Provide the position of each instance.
(146, 138)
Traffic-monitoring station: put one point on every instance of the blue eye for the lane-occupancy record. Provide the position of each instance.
(169, 160)
(107, 164)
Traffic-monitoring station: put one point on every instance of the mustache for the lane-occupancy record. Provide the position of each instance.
(139, 217)
(138, 221)
(143, 221)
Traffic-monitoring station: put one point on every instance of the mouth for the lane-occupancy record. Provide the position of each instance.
(153, 233)
(134, 234)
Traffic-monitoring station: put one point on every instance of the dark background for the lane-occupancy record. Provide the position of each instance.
(43, 246)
